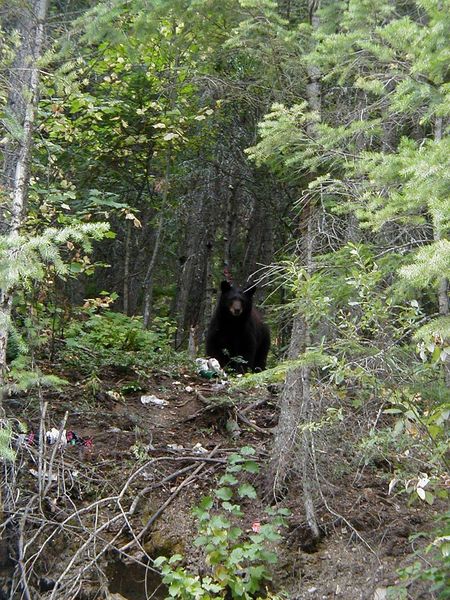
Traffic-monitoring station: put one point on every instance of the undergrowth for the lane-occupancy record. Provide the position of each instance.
(239, 563)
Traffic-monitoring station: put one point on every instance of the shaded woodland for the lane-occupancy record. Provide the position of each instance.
(153, 148)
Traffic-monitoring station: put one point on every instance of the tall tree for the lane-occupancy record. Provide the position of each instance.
(292, 447)
(23, 92)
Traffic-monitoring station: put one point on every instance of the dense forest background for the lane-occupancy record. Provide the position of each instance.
(152, 148)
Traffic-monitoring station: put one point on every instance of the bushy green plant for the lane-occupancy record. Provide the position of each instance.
(239, 562)
(110, 330)
(15, 346)
(112, 339)
(23, 376)
(437, 571)
(6, 452)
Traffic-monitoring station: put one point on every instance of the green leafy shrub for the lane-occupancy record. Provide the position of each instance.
(239, 563)
(114, 340)
(15, 346)
(437, 571)
(23, 376)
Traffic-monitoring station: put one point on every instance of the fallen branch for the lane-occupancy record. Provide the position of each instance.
(253, 405)
(182, 485)
(244, 419)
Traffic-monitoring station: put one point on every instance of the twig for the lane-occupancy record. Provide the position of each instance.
(336, 514)
(253, 405)
(244, 419)
(183, 484)
(52, 457)
(200, 412)
(21, 552)
(41, 447)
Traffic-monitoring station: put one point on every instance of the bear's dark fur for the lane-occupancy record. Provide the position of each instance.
(237, 336)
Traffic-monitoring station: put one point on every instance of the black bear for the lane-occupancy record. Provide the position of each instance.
(237, 336)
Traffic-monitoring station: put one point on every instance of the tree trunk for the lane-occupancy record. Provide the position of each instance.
(209, 287)
(126, 270)
(443, 289)
(23, 81)
(292, 453)
(149, 276)
(191, 303)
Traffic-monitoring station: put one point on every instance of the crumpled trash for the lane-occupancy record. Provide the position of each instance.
(35, 473)
(209, 368)
(153, 400)
(68, 438)
(51, 437)
(198, 449)
(220, 385)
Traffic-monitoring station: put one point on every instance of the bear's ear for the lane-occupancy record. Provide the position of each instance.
(225, 286)
(250, 292)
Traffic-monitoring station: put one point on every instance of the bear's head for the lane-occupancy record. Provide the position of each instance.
(234, 301)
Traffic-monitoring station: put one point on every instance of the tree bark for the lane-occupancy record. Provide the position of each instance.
(194, 286)
(292, 452)
(443, 289)
(126, 270)
(149, 276)
(23, 81)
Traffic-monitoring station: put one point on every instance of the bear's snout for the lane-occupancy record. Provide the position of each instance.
(236, 308)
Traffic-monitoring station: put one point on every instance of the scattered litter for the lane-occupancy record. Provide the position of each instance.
(209, 368)
(219, 385)
(117, 396)
(114, 430)
(52, 436)
(214, 365)
(35, 473)
(68, 438)
(153, 400)
(75, 440)
(175, 446)
(188, 389)
(176, 383)
(198, 449)
(256, 526)
(202, 364)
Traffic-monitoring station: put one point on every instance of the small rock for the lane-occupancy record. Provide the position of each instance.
(380, 594)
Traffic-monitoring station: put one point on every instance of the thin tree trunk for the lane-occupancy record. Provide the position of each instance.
(191, 303)
(23, 81)
(443, 289)
(292, 450)
(209, 287)
(149, 278)
(229, 229)
(126, 271)
(22, 103)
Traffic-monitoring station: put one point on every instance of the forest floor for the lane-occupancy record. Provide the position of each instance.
(155, 453)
